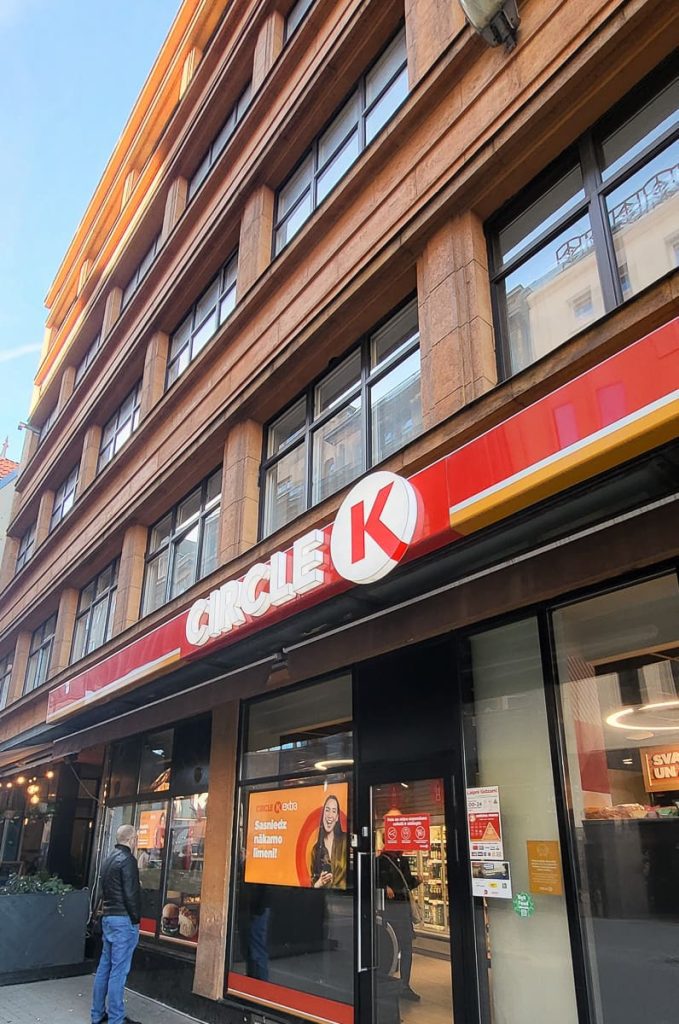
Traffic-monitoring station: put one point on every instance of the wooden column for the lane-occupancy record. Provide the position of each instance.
(208, 979)
(269, 44)
(240, 489)
(130, 578)
(256, 238)
(155, 367)
(456, 332)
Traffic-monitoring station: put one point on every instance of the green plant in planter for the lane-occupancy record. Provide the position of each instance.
(17, 885)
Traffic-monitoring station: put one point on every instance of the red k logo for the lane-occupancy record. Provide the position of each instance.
(374, 526)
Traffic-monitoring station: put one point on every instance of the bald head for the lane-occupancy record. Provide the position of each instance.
(126, 835)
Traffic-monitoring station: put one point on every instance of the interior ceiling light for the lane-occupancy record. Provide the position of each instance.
(336, 762)
(651, 718)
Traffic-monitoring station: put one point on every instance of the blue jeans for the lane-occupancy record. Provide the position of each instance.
(120, 941)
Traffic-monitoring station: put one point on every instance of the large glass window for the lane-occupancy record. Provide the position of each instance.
(64, 498)
(184, 544)
(292, 943)
(47, 424)
(205, 317)
(358, 414)
(513, 832)
(40, 653)
(616, 193)
(120, 427)
(220, 140)
(375, 100)
(5, 678)
(296, 15)
(96, 608)
(159, 783)
(140, 271)
(87, 360)
(618, 665)
(26, 547)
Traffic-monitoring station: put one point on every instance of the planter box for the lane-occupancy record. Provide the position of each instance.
(42, 930)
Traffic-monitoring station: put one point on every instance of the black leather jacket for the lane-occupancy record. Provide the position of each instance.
(120, 889)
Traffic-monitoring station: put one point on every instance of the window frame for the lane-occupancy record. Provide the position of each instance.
(312, 151)
(225, 289)
(176, 535)
(140, 272)
(289, 32)
(87, 360)
(312, 424)
(585, 153)
(133, 418)
(26, 548)
(48, 423)
(69, 487)
(108, 596)
(6, 666)
(212, 154)
(41, 652)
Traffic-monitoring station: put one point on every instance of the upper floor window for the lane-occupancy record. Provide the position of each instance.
(373, 102)
(184, 544)
(5, 678)
(593, 230)
(87, 360)
(296, 15)
(220, 140)
(26, 546)
(39, 654)
(47, 424)
(120, 427)
(64, 498)
(204, 318)
(352, 418)
(140, 272)
(96, 607)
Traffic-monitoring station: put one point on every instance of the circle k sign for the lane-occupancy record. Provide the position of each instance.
(374, 526)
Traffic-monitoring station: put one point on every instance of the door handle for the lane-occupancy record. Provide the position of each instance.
(363, 863)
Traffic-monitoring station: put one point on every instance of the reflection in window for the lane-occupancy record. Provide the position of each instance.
(96, 608)
(180, 919)
(619, 683)
(220, 140)
(183, 545)
(140, 271)
(26, 546)
(319, 444)
(6, 664)
(64, 498)
(40, 654)
(296, 15)
(156, 762)
(120, 427)
(377, 97)
(550, 248)
(87, 360)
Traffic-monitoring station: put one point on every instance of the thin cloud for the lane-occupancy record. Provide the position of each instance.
(8, 354)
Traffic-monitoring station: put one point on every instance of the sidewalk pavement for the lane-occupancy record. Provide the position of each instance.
(67, 1001)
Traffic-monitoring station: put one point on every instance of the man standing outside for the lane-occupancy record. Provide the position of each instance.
(121, 911)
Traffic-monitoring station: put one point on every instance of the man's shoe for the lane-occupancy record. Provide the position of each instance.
(128, 1020)
(407, 993)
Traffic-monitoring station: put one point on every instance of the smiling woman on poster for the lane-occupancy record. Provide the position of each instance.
(329, 854)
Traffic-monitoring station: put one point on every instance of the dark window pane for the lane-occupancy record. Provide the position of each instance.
(191, 759)
(125, 767)
(156, 762)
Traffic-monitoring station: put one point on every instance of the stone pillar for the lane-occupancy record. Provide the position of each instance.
(114, 301)
(191, 62)
(208, 979)
(16, 683)
(128, 186)
(155, 367)
(9, 560)
(267, 48)
(240, 489)
(130, 578)
(31, 440)
(89, 459)
(63, 636)
(66, 387)
(256, 238)
(175, 204)
(431, 27)
(456, 333)
(42, 524)
(85, 268)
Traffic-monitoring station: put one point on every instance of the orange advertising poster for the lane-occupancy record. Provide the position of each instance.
(151, 831)
(298, 837)
(661, 769)
(544, 867)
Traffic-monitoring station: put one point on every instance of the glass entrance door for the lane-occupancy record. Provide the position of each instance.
(406, 906)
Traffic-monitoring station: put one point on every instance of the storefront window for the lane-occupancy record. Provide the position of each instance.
(159, 783)
(618, 664)
(513, 834)
(293, 940)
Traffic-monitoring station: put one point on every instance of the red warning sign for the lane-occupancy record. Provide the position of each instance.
(406, 832)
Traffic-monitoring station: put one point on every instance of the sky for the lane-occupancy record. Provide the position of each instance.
(71, 71)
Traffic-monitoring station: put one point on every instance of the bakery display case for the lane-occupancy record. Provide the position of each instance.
(180, 918)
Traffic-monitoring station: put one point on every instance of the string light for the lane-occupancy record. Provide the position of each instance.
(49, 774)
(35, 800)
(21, 779)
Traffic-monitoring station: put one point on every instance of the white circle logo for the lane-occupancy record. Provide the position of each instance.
(374, 526)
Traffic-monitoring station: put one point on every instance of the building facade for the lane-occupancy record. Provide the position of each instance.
(343, 557)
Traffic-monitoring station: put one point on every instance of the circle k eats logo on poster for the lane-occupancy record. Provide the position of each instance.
(374, 526)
